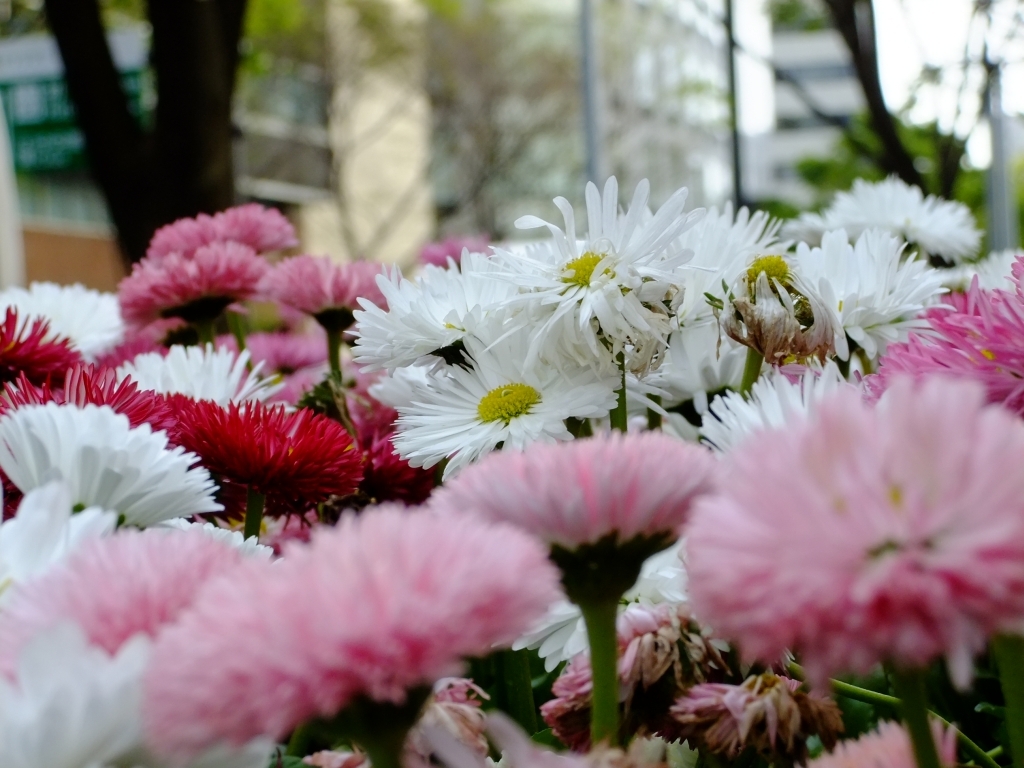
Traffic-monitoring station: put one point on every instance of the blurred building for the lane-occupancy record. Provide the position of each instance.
(815, 86)
(504, 80)
(67, 234)
(664, 81)
(380, 206)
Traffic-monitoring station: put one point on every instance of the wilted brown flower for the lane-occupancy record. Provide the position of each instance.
(775, 312)
(662, 651)
(768, 713)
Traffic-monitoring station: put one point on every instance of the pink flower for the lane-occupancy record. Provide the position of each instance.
(384, 602)
(981, 338)
(333, 759)
(138, 341)
(887, 747)
(866, 534)
(321, 287)
(287, 352)
(262, 229)
(579, 492)
(196, 288)
(300, 358)
(439, 253)
(114, 588)
(297, 384)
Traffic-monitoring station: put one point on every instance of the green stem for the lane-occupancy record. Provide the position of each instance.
(517, 688)
(301, 742)
(910, 689)
(205, 331)
(619, 416)
(236, 324)
(1009, 653)
(875, 698)
(254, 501)
(653, 417)
(334, 353)
(379, 728)
(751, 370)
(604, 704)
(384, 753)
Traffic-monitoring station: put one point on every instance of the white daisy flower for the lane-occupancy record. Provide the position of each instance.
(203, 373)
(722, 248)
(613, 289)
(497, 398)
(44, 532)
(247, 546)
(779, 313)
(879, 294)
(701, 361)
(562, 634)
(994, 271)
(90, 319)
(774, 401)
(430, 314)
(398, 388)
(105, 462)
(941, 228)
(72, 705)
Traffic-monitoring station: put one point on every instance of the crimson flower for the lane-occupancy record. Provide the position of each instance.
(85, 384)
(296, 459)
(29, 348)
(388, 477)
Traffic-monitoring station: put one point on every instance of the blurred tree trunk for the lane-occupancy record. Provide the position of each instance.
(854, 19)
(183, 164)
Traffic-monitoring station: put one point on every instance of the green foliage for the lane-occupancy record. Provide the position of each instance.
(267, 18)
(283, 34)
(796, 15)
(285, 761)
(856, 154)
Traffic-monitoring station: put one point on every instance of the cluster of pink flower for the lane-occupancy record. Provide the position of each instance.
(870, 536)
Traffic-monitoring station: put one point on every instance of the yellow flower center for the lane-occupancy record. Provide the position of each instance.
(507, 402)
(582, 269)
(774, 266)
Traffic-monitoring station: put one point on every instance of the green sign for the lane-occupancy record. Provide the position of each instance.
(41, 121)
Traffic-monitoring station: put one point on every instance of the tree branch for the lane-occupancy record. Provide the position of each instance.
(115, 143)
(854, 19)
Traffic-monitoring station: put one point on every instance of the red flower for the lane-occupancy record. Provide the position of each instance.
(388, 477)
(296, 459)
(29, 348)
(85, 384)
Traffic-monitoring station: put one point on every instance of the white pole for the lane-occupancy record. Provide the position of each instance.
(589, 79)
(1002, 196)
(12, 249)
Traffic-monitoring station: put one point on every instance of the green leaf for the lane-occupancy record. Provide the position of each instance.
(279, 760)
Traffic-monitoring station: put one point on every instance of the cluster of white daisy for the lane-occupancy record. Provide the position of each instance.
(646, 315)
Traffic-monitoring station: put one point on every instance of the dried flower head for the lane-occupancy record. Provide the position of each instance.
(767, 713)
(779, 314)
